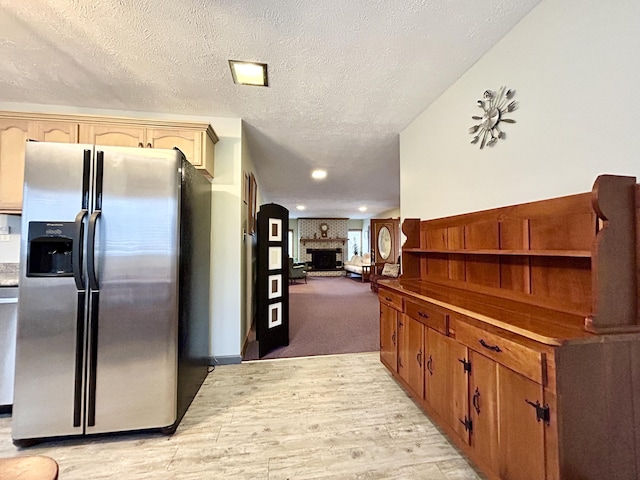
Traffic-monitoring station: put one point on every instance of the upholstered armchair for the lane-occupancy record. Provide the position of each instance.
(296, 272)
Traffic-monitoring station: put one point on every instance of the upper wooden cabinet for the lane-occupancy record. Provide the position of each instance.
(195, 140)
(13, 135)
(196, 143)
(112, 135)
(14, 132)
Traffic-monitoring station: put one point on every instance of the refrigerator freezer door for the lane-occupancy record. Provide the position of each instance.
(47, 397)
(136, 262)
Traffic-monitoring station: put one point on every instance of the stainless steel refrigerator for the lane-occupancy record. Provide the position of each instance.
(113, 306)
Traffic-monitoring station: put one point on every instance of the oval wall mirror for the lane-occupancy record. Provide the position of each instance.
(384, 243)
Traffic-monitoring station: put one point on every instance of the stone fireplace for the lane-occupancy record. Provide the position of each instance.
(324, 258)
(323, 250)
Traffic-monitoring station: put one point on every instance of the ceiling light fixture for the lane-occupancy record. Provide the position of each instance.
(249, 73)
(363, 209)
(319, 174)
(301, 207)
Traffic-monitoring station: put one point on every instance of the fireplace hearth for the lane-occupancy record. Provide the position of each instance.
(323, 258)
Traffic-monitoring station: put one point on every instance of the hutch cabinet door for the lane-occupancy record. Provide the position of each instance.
(521, 451)
(437, 374)
(460, 390)
(415, 356)
(403, 347)
(483, 407)
(411, 353)
(388, 337)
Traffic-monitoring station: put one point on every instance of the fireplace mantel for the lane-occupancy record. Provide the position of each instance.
(304, 241)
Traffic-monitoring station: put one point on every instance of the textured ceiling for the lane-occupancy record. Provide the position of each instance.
(346, 76)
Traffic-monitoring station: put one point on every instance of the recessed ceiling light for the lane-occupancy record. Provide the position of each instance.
(301, 207)
(319, 174)
(249, 73)
(363, 209)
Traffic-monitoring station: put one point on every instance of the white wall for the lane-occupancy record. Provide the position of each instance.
(227, 275)
(574, 66)
(249, 246)
(10, 251)
(393, 213)
(293, 225)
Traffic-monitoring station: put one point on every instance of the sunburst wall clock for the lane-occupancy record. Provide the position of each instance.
(494, 106)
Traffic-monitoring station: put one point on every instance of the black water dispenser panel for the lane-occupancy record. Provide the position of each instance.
(50, 249)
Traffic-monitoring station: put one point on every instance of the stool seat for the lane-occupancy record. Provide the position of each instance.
(28, 468)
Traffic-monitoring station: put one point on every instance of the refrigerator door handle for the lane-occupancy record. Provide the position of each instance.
(91, 253)
(78, 242)
(86, 179)
(79, 361)
(93, 359)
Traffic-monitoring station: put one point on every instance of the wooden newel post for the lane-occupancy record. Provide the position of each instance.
(614, 257)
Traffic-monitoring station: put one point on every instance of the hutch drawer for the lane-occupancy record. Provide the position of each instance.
(428, 314)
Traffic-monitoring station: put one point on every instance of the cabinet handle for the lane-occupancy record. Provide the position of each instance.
(140, 145)
(476, 401)
(400, 362)
(419, 358)
(423, 314)
(393, 338)
(494, 348)
(430, 365)
(149, 145)
(387, 299)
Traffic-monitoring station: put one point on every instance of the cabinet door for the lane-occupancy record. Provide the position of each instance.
(112, 135)
(188, 141)
(411, 353)
(460, 390)
(388, 337)
(521, 451)
(438, 374)
(483, 408)
(13, 135)
(62, 132)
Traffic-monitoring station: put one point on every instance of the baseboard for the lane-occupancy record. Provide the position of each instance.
(225, 360)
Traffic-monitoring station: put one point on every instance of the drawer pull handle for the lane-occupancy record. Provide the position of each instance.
(388, 299)
(423, 314)
(140, 145)
(476, 401)
(493, 348)
(419, 358)
(430, 365)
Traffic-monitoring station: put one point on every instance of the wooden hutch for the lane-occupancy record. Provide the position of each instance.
(517, 330)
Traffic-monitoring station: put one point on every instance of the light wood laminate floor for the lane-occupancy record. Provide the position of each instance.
(337, 417)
